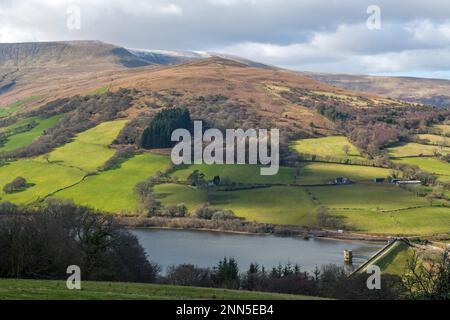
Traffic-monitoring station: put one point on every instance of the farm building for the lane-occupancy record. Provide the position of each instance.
(413, 182)
(379, 180)
(342, 180)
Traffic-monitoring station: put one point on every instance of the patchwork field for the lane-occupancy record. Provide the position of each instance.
(370, 197)
(89, 150)
(23, 139)
(173, 194)
(416, 150)
(443, 128)
(14, 107)
(238, 173)
(431, 165)
(419, 221)
(113, 190)
(20, 123)
(281, 205)
(322, 173)
(327, 147)
(46, 178)
(13, 289)
(435, 139)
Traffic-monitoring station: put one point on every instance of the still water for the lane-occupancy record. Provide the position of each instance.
(205, 249)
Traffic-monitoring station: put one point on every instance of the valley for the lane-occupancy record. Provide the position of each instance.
(228, 93)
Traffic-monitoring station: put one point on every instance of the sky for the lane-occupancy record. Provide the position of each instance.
(380, 37)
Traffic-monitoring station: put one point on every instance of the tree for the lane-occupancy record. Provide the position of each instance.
(346, 149)
(228, 273)
(196, 179)
(159, 132)
(431, 281)
(18, 184)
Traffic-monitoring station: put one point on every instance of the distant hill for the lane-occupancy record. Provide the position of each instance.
(167, 57)
(66, 54)
(434, 92)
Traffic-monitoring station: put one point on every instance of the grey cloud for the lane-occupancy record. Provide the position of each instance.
(308, 34)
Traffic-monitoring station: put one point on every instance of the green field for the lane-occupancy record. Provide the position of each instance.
(46, 177)
(95, 91)
(327, 147)
(430, 165)
(19, 123)
(322, 173)
(249, 174)
(13, 289)
(416, 150)
(112, 190)
(369, 197)
(443, 128)
(23, 139)
(395, 260)
(173, 194)
(280, 205)
(15, 106)
(435, 139)
(89, 150)
(420, 221)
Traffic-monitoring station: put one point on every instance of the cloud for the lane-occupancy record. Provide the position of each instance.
(315, 35)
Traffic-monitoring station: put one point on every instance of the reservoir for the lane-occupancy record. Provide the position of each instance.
(205, 249)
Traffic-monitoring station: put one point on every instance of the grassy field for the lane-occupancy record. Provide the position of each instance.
(416, 150)
(280, 205)
(46, 177)
(114, 188)
(238, 173)
(327, 147)
(435, 139)
(443, 128)
(395, 260)
(23, 139)
(431, 165)
(173, 194)
(12, 289)
(89, 150)
(20, 123)
(370, 197)
(99, 90)
(322, 173)
(15, 106)
(420, 221)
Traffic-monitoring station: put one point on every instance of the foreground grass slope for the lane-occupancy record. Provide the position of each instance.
(12, 289)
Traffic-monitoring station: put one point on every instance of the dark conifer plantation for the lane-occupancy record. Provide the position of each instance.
(158, 133)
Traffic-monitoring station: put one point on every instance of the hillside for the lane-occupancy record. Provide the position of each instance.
(63, 132)
(44, 67)
(12, 289)
(418, 90)
(79, 54)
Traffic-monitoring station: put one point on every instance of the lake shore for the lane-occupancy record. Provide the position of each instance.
(239, 226)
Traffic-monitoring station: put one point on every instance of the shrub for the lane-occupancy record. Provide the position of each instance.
(17, 185)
